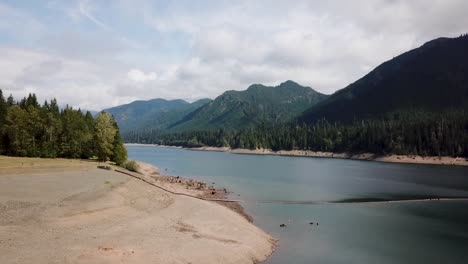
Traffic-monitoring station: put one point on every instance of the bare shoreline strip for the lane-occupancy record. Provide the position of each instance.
(177, 185)
(410, 159)
(176, 193)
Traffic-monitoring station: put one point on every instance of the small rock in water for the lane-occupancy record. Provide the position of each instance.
(283, 225)
(311, 223)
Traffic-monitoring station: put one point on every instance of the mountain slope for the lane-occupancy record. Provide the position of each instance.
(155, 113)
(259, 103)
(432, 77)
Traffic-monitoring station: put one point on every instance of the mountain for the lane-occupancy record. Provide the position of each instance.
(432, 77)
(242, 109)
(155, 113)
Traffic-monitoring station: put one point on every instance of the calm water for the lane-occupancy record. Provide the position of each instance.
(417, 232)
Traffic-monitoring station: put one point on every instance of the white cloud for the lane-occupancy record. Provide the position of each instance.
(74, 82)
(43, 70)
(139, 76)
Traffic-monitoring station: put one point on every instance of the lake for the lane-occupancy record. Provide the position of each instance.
(414, 232)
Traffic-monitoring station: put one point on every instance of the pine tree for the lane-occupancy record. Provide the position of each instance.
(3, 116)
(3, 109)
(16, 131)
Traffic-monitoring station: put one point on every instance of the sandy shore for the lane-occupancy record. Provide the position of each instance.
(443, 160)
(68, 211)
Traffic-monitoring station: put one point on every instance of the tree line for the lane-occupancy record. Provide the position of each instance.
(29, 129)
(414, 132)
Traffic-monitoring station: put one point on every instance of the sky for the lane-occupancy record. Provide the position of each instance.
(99, 54)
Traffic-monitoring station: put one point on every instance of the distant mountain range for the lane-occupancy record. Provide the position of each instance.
(258, 104)
(152, 114)
(232, 110)
(433, 77)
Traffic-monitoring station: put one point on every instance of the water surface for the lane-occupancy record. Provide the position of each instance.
(417, 232)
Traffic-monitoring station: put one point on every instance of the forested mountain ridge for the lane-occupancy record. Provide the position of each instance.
(258, 104)
(414, 104)
(433, 77)
(406, 133)
(152, 114)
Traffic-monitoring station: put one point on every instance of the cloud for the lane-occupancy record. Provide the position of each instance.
(139, 76)
(73, 82)
(94, 55)
(36, 73)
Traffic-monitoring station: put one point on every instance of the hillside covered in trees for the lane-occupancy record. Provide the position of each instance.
(234, 110)
(416, 132)
(416, 103)
(152, 114)
(29, 129)
(433, 77)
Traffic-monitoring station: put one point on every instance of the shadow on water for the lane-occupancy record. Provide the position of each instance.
(369, 200)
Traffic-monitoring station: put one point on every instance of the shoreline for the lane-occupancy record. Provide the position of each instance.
(408, 159)
(57, 209)
(190, 187)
